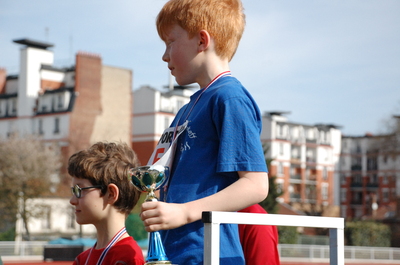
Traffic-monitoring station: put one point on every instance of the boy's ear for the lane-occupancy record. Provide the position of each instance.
(204, 40)
(112, 193)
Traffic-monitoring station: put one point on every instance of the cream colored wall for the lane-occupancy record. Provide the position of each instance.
(114, 121)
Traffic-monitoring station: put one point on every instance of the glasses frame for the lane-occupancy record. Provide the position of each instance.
(77, 191)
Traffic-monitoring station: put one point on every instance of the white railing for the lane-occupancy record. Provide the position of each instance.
(22, 248)
(11, 250)
(212, 221)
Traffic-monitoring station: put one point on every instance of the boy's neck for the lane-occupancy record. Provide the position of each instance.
(107, 230)
(214, 66)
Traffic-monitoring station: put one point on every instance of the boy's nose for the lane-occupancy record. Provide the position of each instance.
(165, 57)
(73, 200)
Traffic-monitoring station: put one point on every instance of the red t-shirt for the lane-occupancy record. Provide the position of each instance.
(259, 242)
(124, 252)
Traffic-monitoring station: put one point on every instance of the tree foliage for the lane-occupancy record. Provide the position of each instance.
(135, 227)
(288, 235)
(367, 233)
(28, 169)
(270, 204)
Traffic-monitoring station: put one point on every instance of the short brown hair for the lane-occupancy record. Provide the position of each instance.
(223, 19)
(108, 163)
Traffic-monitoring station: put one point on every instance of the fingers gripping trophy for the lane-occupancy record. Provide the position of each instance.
(149, 179)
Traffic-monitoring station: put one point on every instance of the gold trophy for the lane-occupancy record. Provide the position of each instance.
(149, 179)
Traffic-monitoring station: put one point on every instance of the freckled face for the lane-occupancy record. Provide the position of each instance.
(89, 208)
(180, 54)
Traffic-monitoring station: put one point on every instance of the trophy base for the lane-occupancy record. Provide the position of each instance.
(158, 262)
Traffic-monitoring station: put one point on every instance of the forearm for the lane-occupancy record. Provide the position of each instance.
(250, 188)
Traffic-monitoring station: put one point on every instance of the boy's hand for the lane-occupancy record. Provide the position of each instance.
(162, 216)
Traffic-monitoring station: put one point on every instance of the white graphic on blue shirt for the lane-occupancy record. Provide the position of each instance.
(191, 134)
(185, 146)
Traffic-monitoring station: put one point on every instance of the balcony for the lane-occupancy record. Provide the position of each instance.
(357, 202)
(295, 160)
(310, 159)
(311, 141)
(372, 186)
(311, 177)
(295, 176)
(356, 186)
(311, 197)
(295, 197)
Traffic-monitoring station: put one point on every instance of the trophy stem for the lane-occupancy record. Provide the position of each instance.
(151, 196)
(156, 253)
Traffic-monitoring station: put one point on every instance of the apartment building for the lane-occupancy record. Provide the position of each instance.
(369, 171)
(304, 161)
(73, 107)
(153, 111)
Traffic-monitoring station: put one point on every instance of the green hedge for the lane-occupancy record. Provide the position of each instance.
(8, 235)
(288, 234)
(135, 227)
(367, 233)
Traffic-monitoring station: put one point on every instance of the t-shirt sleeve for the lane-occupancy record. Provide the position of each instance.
(238, 123)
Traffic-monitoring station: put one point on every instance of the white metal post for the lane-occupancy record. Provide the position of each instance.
(336, 246)
(211, 243)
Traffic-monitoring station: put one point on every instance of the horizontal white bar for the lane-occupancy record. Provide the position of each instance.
(274, 219)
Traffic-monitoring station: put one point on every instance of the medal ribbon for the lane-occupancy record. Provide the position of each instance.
(223, 74)
(105, 251)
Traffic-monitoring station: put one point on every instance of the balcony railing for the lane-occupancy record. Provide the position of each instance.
(295, 176)
(295, 196)
(356, 185)
(373, 185)
(356, 167)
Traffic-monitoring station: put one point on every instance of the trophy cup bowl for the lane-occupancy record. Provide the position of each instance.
(149, 179)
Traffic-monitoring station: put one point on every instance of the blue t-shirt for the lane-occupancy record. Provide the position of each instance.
(221, 138)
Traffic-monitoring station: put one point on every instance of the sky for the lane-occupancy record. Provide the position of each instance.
(332, 62)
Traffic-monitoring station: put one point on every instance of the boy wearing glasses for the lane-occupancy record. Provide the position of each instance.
(103, 196)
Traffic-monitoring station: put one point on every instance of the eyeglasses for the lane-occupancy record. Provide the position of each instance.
(77, 191)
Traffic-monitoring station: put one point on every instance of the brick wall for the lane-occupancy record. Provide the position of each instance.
(88, 101)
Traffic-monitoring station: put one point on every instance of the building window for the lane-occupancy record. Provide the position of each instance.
(46, 221)
(325, 191)
(166, 122)
(325, 173)
(71, 218)
(57, 125)
(281, 149)
(278, 130)
(41, 132)
(310, 134)
(179, 104)
(279, 185)
(343, 195)
(280, 169)
(13, 106)
(343, 211)
(385, 195)
(60, 101)
(385, 179)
